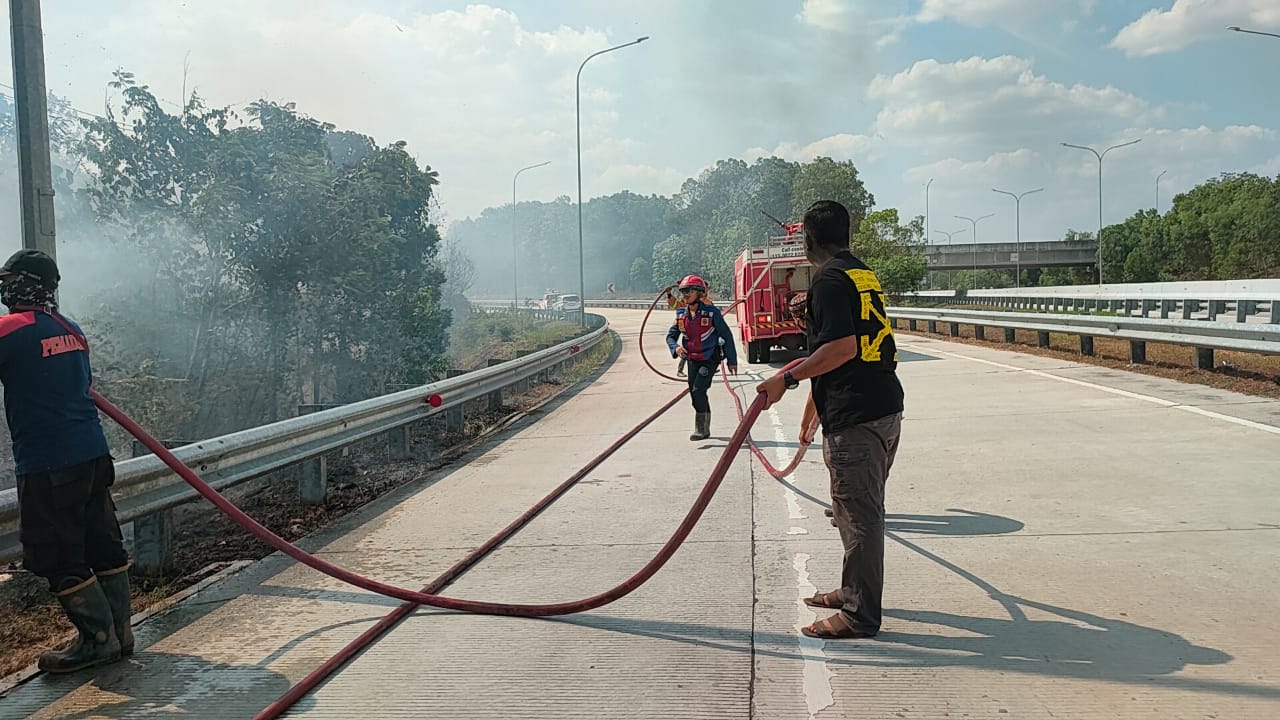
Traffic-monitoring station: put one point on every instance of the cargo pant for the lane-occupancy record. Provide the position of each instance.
(68, 523)
(859, 459)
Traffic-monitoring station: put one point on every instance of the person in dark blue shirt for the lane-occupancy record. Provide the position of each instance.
(64, 469)
(707, 340)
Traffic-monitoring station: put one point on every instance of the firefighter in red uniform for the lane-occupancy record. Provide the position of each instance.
(68, 524)
(701, 336)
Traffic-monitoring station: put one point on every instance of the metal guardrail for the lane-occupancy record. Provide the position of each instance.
(1204, 336)
(145, 485)
(1244, 300)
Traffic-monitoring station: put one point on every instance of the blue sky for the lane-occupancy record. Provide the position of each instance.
(973, 93)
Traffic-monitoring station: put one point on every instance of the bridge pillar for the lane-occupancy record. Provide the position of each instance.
(1137, 352)
(1009, 336)
(1204, 358)
(1042, 338)
(1086, 345)
(313, 483)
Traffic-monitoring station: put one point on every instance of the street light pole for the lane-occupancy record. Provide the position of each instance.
(1100, 156)
(1235, 28)
(975, 241)
(949, 234)
(926, 210)
(1018, 206)
(515, 283)
(1162, 172)
(577, 102)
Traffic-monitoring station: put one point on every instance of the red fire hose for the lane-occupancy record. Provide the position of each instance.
(429, 595)
(755, 449)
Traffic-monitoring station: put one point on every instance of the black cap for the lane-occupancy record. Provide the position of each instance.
(33, 264)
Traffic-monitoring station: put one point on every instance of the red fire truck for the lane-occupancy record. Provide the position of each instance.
(767, 273)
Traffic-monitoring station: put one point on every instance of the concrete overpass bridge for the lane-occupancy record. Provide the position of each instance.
(995, 256)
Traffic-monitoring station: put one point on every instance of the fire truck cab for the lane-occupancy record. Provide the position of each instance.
(767, 273)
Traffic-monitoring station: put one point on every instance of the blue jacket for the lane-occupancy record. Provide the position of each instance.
(45, 371)
(704, 331)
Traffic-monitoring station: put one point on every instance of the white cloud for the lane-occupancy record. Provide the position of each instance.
(842, 146)
(997, 102)
(864, 19)
(1191, 21)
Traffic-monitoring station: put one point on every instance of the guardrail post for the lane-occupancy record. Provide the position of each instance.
(1166, 307)
(1129, 306)
(1147, 307)
(1086, 345)
(955, 329)
(1215, 307)
(313, 483)
(545, 375)
(453, 417)
(1010, 336)
(1245, 308)
(1189, 307)
(933, 326)
(1275, 312)
(979, 332)
(398, 447)
(1204, 358)
(1042, 338)
(495, 397)
(153, 534)
(911, 325)
(1137, 352)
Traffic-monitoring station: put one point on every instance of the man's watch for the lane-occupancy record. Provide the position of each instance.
(790, 382)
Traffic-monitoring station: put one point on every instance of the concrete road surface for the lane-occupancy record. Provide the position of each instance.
(1064, 541)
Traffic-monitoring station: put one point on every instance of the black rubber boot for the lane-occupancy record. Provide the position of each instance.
(115, 585)
(87, 608)
(702, 426)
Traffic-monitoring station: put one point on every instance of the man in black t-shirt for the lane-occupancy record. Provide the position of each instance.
(858, 399)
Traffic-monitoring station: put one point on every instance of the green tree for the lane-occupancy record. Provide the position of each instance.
(827, 179)
(894, 251)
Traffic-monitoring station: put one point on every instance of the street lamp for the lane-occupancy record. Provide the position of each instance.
(975, 240)
(1104, 154)
(577, 102)
(926, 210)
(1236, 28)
(1162, 172)
(949, 234)
(515, 285)
(1018, 204)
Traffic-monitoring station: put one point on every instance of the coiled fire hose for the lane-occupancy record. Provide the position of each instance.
(724, 374)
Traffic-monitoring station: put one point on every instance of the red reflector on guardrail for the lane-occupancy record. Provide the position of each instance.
(435, 401)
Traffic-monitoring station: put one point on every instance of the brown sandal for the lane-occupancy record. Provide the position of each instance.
(834, 627)
(829, 600)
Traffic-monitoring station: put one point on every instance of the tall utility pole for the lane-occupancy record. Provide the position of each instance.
(515, 278)
(577, 102)
(1100, 156)
(35, 176)
(975, 240)
(1017, 280)
(1162, 172)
